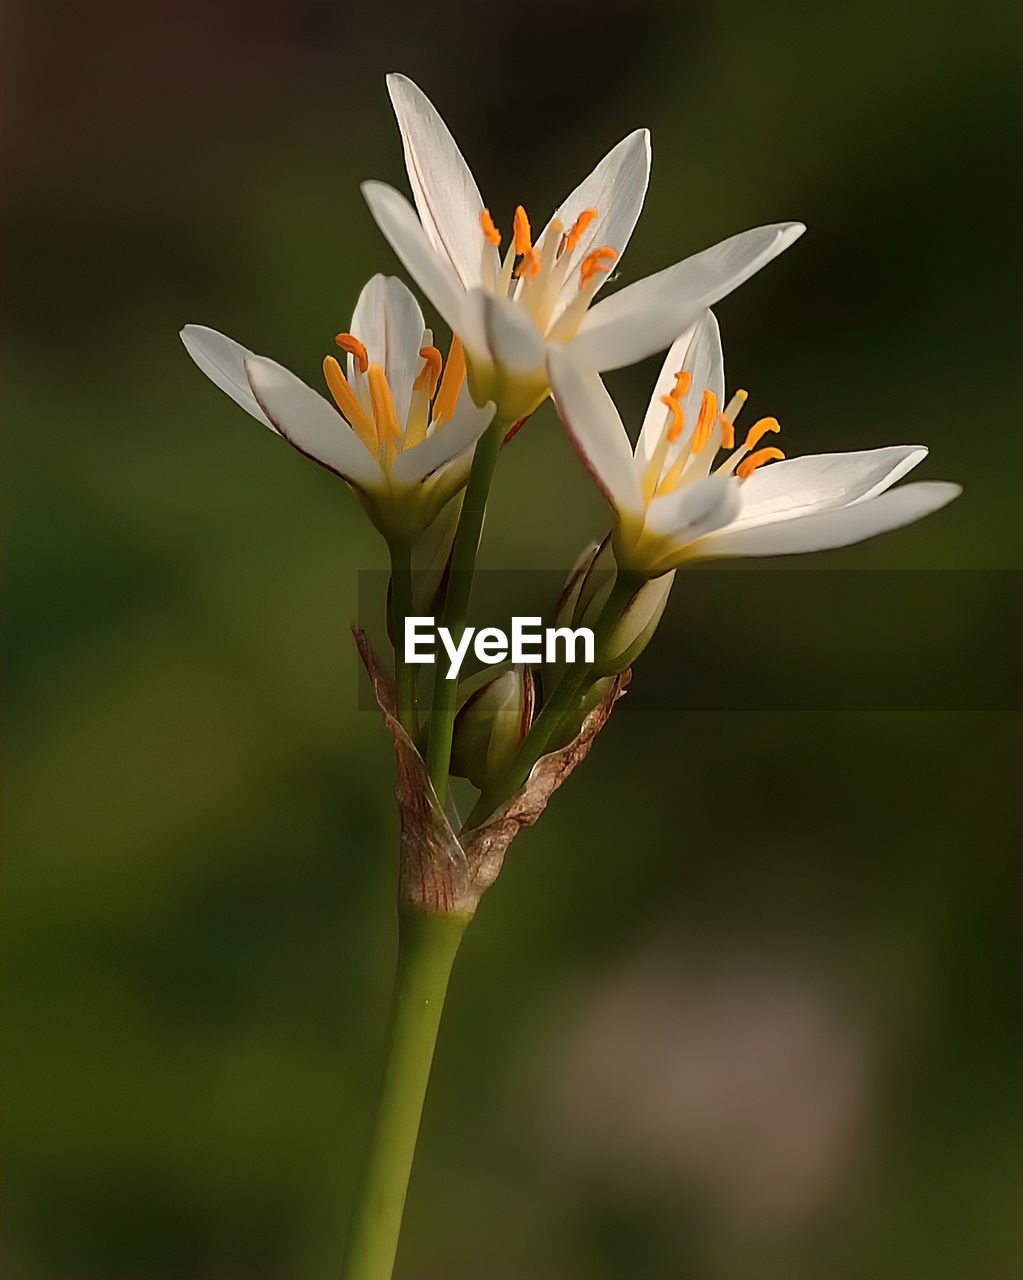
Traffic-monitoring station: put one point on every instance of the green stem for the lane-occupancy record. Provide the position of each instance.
(401, 607)
(427, 944)
(562, 704)
(456, 602)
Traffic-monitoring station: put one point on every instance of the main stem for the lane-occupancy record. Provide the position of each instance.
(456, 603)
(401, 607)
(427, 944)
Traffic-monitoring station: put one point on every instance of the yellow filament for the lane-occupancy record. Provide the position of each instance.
(388, 430)
(521, 230)
(652, 474)
(450, 384)
(705, 422)
(594, 262)
(653, 470)
(670, 482)
(758, 430)
(348, 342)
(578, 227)
(489, 230)
(750, 464)
(346, 401)
(548, 257)
(429, 375)
(731, 409)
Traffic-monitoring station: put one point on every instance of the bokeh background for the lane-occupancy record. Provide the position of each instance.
(746, 1005)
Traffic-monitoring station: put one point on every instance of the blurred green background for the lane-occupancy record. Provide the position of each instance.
(746, 1005)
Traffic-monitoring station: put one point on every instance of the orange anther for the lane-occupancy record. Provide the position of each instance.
(760, 429)
(705, 422)
(523, 235)
(578, 227)
(530, 265)
(727, 433)
(750, 464)
(386, 416)
(489, 230)
(594, 262)
(430, 372)
(346, 400)
(683, 381)
(678, 417)
(348, 342)
(450, 384)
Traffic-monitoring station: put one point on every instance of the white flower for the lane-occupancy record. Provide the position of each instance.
(672, 504)
(401, 434)
(509, 311)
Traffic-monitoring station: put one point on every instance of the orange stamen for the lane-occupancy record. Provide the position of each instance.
(530, 265)
(429, 375)
(348, 342)
(347, 402)
(578, 227)
(705, 422)
(388, 430)
(450, 384)
(758, 430)
(683, 381)
(489, 230)
(750, 464)
(678, 417)
(523, 235)
(727, 433)
(594, 262)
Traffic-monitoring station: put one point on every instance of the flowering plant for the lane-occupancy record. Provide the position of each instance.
(418, 439)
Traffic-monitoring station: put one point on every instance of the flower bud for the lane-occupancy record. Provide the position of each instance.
(585, 594)
(636, 626)
(491, 725)
(587, 585)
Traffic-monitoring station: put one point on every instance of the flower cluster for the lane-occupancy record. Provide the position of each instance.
(408, 430)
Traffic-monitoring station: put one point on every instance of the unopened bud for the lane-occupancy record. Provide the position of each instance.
(491, 725)
(587, 591)
(637, 625)
(587, 585)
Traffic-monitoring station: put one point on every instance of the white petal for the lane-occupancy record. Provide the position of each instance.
(647, 315)
(596, 431)
(827, 529)
(694, 510)
(223, 361)
(389, 322)
(616, 189)
(307, 421)
(512, 339)
(454, 438)
(699, 352)
(822, 481)
(431, 270)
(443, 187)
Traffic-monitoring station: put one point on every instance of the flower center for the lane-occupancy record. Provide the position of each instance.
(367, 401)
(536, 275)
(682, 455)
